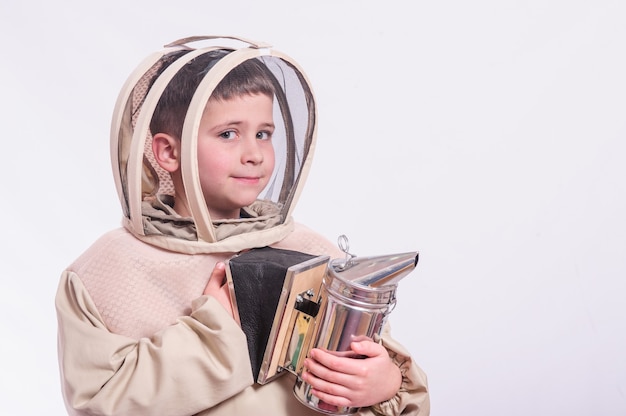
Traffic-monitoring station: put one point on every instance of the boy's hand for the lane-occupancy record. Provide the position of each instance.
(353, 382)
(218, 287)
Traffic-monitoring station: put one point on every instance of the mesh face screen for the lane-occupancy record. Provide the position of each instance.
(293, 113)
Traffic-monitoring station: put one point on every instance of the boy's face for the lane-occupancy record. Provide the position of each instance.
(235, 152)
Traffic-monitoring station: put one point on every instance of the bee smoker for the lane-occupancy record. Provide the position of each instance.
(357, 296)
(311, 302)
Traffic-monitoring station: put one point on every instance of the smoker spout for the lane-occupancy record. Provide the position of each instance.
(378, 271)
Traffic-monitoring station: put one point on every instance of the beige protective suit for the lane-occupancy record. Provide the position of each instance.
(136, 335)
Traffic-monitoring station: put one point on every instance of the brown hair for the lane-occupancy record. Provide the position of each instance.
(251, 77)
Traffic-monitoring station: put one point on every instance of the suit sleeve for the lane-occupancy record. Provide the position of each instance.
(189, 366)
(413, 397)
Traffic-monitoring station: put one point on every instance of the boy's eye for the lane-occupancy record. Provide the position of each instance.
(264, 135)
(228, 134)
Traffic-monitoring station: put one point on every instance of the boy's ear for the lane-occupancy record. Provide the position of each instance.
(166, 151)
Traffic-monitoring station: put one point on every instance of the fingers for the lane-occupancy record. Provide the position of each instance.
(217, 287)
(323, 363)
(369, 348)
(326, 385)
(216, 280)
(330, 394)
(331, 373)
(344, 362)
(347, 380)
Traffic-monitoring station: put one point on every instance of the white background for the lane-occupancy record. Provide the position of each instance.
(488, 135)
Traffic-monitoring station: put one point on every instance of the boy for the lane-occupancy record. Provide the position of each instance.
(211, 147)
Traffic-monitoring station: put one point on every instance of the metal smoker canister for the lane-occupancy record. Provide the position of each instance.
(357, 296)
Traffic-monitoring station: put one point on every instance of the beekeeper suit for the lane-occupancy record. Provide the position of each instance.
(135, 334)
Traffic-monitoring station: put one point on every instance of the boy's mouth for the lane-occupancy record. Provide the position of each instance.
(247, 179)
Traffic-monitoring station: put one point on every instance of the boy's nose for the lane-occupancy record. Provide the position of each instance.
(251, 152)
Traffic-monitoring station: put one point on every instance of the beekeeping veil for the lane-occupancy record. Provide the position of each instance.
(139, 179)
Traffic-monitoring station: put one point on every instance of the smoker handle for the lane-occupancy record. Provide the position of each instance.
(184, 41)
